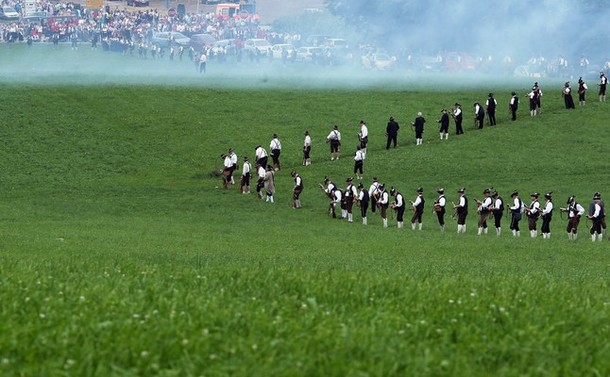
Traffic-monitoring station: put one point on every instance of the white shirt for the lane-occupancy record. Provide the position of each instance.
(384, 198)
(246, 168)
(330, 188)
(260, 153)
(364, 131)
(337, 196)
(374, 187)
(517, 205)
(399, 200)
(334, 135)
(596, 211)
(359, 155)
(457, 111)
(297, 180)
(462, 201)
(307, 141)
(576, 210)
(441, 201)
(233, 158)
(486, 203)
(275, 144)
(417, 201)
(534, 207)
(476, 109)
(497, 203)
(261, 172)
(487, 102)
(548, 208)
(228, 163)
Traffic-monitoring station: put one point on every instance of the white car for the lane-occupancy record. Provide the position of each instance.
(257, 46)
(8, 13)
(309, 54)
(277, 50)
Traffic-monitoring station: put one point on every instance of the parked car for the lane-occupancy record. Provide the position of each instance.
(460, 61)
(8, 13)
(336, 43)
(257, 46)
(277, 50)
(530, 70)
(378, 61)
(138, 3)
(167, 38)
(309, 54)
(199, 41)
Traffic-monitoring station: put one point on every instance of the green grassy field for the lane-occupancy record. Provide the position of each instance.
(120, 256)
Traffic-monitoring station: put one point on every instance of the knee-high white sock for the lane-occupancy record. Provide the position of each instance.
(421, 225)
(385, 223)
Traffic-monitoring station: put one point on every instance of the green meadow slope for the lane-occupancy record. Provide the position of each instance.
(120, 254)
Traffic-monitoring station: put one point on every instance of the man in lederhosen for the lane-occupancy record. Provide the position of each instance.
(547, 215)
(334, 139)
(246, 174)
(533, 213)
(439, 208)
(516, 210)
(363, 201)
(391, 131)
(491, 104)
(307, 149)
(363, 135)
(596, 214)
(484, 209)
(260, 155)
(296, 191)
(418, 209)
(498, 211)
(444, 121)
(458, 116)
(374, 194)
(513, 105)
(461, 211)
(399, 206)
(276, 149)
(349, 198)
(383, 203)
(575, 212)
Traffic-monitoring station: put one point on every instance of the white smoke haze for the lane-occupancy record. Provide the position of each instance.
(488, 31)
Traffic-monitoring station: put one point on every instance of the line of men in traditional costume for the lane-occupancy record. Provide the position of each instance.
(490, 207)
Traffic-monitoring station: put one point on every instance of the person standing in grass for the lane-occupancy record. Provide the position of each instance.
(260, 182)
(439, 208)
(350, 196)
(575, 212)
(596, 214)
(359, 162)
(383, 203)
(516, 210)
(444, 121)
(234, 165)
(479, 115)
(603, 220)
(418, 125)
(334, 139)
(603, 83)
(418, 209)
(533, 213)
(513, 105)
(246, 174)
(567, 96)
(537, 92)
(269, 183)
(497, 211)
(374, 194)
(399, 206)
(261, 156)
(297, 189)
(458, 116)
(547, 215)
(491, 105)
(461, 210)
(363, 135)
(532, 98)
(226, 170)
(276, 149)
(307, 149)
(391, 132)
(484, 208)
(582, 91)
(363, 201)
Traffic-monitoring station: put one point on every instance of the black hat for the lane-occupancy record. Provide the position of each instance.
(571, 199)
(548, 195)
(457, 104)
(420, 189)
(274, 136)
(514, 193)
(567, 83)
(360, 185)
(349, 179)
(513, 93)
(391, 118)
(487, 191)
(441, 190)
(494, 194)
(597, 196)
(245, 158)
(293, 173)
(374, 179)
(535, 194)
(336, 128)
(222, 155)
(462, 190)
(491, 94)
(306, 132)
(258, 146)
(392, 191)
(382, 186)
